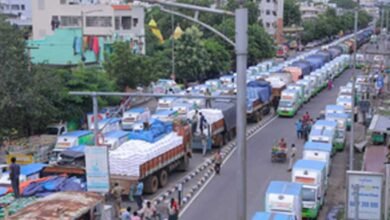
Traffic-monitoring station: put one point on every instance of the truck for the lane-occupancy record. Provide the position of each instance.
(316, 61)
(165, 103)
(322, 78)
(323, 135)
(165, 115)
(341, 120)
(114, 139)
(346, 102)
(151, 163)
(289, 103)
(221, 125)
(34, 149)
(308, 90)
(285, 198)
(318, 152)
(312, 175)
(271, 216)
(338, 109)
(135, 115)
(259, 96)
(71, 139)
(296, 72)
(304, 66)
(315, 82)
(300, 90)
(108, 124)
(162, 86)
(213, 84)
(183, 106)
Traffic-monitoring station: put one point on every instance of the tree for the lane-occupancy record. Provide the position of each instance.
(192, 60)
(260, 44)
(221, 58)
(291, 13)
(345, 4)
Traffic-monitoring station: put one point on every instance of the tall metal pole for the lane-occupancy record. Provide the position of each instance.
(173, 44)
(352, 141)
(356, 189)
(241, 23)
(387, 190)
(95, 117)
(82, 36)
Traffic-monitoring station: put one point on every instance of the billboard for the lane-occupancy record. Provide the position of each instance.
(97, 170)
(368, 199)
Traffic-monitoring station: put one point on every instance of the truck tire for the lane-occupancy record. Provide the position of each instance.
(257, 116)
(163, 178)
(151, 184)
(184, 163)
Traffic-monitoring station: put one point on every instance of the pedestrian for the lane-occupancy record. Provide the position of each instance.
(202, 122)
(194, 122)
(275, 104)
(138, 194)
(306, 118)
(330, 84)
(305, 132)
(292, 157)
(282, 144)
(173, 210)
(131, 192)
(217, 161)
(14, 176)
(298, 127)
(208, 99)
(149, 211)
(126, 214)
(117, 192)
(135, 216)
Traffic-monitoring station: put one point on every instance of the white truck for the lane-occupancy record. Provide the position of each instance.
(312, 174)
(133, 116)
(165, 103)
(318, 151)
(285, 198)
(289, 103)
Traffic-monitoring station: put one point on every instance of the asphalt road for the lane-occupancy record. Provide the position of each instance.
(219, 198)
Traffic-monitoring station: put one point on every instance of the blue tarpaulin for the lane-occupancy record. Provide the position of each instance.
(259, 90)
(156, 131)
(54, 184)
(31, 168)
(305, 66)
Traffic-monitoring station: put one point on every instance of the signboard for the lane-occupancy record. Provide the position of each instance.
(21, 159)
(97, 170)
(369, 195)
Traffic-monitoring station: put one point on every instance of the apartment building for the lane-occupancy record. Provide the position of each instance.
(17, 11)
(271, 15)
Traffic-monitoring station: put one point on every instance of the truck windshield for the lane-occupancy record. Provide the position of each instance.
(285, 103)
(308, 195)
(52, 131)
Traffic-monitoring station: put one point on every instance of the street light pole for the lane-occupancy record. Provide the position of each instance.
(82, 36)
(241, 23)
(173, 45)
(352, 140)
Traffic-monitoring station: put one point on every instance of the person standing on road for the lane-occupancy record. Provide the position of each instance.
(194, 121)
(173, 210)
(208, 99)
(126, 214)
(202, 122)
(292, 157)
(217, 161)
(117, 192)
(330, 84)
(306, 118)
(14, 176)
(298, 127)
(138, 194)
(149, 212)
(135, 216)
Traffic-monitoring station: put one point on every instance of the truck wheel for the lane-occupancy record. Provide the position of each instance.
(258, 116)
(151, 184)
(163, 178)
(183, 166)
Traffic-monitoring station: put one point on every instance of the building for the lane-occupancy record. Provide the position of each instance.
(69, 25)
(311, 11)
(271, 16)
(17, 11)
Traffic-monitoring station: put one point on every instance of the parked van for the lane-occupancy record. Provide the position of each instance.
(312, 175)
(315, 82)
(319, 152)
(301, 91)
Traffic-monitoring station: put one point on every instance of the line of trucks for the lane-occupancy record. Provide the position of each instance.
(304, 196)
(168, 134)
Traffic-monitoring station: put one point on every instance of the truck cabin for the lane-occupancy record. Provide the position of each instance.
(165, 115)
(165, 103)
(334, 109)
(114, 139)
(56, 129)
(346, 102)
(213, 84)
(284, 197)
(108, 124)
(307, 88)
(314, 81)
(73, 138)
(322, 136)
(133, 116)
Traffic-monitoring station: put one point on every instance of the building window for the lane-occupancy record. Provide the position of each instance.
(267, 12)
(126, 23)
(268, 1)
(274, 13)
(98, 21)
(135, 22)
(41, 4)
(63, 2)
(22, 7)
(70, 21)
(117, 23)
(267, 25)
(15, 7)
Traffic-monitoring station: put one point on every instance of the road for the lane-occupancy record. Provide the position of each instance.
(219, 198)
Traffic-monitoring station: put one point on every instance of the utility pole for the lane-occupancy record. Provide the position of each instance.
(173, 45)
(352, 140)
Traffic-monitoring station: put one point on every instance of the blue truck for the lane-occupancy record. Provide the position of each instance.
(259, 96)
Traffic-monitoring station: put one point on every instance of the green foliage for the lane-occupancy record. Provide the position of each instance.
(260, 44)
(291, 13)
(192, 60)
(221, 58)
(252, 6)
(345, 4)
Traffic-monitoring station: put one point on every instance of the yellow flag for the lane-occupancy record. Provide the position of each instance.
(155, 30)
(177, 33)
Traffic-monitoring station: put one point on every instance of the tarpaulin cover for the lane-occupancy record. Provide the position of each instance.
(335, 51)
(326, 54)
(31, 168)
(316, 62)
(52, 184)
(229, 110)
(74, 152)
(304, 65)
(3, 190)
(263, 90)
(156, 131)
